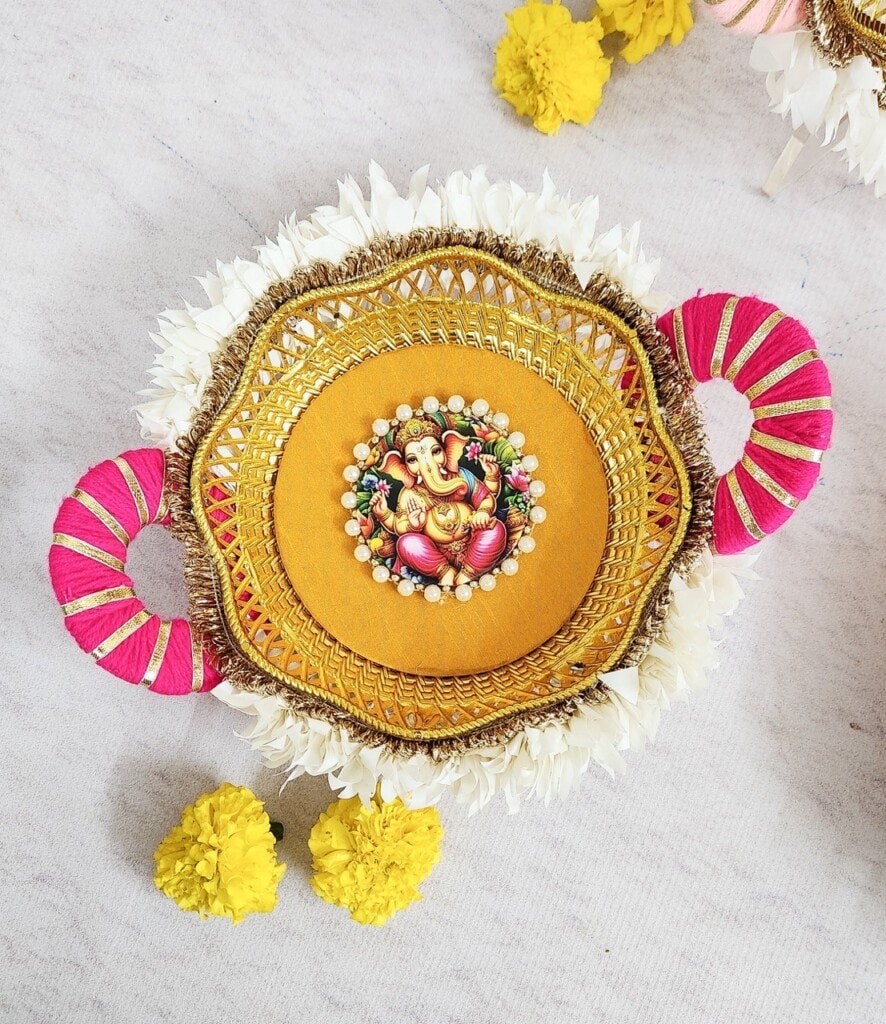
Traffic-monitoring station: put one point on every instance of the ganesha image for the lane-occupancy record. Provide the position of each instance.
(443, 499)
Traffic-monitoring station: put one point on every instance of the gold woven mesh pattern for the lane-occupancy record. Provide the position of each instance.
(455, 296)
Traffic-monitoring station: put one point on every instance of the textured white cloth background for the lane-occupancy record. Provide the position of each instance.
(736, 874)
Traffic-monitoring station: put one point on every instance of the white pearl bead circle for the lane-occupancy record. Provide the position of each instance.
(517, 439)
(487, 582)
(463, 592)
(430, 404)
(352, 528)
(406, 588)
(536, 489)
(501, 420)
(433, 593)
(362, 553)
(480, 407)
(362, 452)
(380, 427)
(529, 463)
(349, 499)
(526, 544)
(455, 403)
(510, 566)
(404, 412)
(538, 514)
(381, 573)
(351, 474)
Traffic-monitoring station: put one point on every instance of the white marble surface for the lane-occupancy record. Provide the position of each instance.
(736, 874)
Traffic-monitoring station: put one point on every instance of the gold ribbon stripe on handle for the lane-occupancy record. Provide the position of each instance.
(65, 540)
(135, 489)
(97, 599)
(119, 635)
(157, 655)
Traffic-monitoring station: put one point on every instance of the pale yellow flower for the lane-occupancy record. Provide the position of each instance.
(372, 859)
(221, 860)
(549, 67)
(645, 24)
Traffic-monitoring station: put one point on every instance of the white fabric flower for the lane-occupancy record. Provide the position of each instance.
(838, 105)
(191, 339)
(542, 761)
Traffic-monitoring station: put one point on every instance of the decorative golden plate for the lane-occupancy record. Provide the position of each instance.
(845, 29)
(281, 593)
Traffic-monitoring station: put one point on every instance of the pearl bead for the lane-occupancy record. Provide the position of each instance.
(381, 573)
(526, 544)
(480, 407)
(430, 404)
(380, 427)
(538, 514)
(349, 499)
(536, 489)
(351, 474)
(463, 592)
(433, 593)
(501, 420)
(517, 439)
(510, 566)
(352, 528)
(455, 403)
(406, 588)
(487, 582)
(529, 463)
(361, 452)
(362, 553)
(404, 412)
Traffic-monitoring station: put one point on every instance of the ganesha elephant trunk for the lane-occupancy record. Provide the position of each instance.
(439, 484)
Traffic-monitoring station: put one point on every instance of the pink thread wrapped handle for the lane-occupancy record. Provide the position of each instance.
(758, 17)
(771, 359)
(96, 523)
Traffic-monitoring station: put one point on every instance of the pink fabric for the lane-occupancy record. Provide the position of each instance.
(484, 549)
(701, 322)
(75, 575)
(755, 19)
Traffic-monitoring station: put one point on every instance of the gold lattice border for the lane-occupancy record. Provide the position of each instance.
(550, 272)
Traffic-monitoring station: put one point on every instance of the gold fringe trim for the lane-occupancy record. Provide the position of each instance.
(550, 270)
(843, 31)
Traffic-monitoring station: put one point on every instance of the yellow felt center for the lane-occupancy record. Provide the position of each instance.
(410, 634)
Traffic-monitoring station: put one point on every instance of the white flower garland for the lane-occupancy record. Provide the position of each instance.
(541, 761)
(838, 105)
(191, 339)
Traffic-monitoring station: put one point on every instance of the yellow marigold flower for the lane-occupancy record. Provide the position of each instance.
(646, 24)
(550, 67)
(372, 859)
(221, 860)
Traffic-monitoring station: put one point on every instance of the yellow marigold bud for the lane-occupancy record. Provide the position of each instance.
(645, 24)
(372, 859)
(549, 67)
(221, 860)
